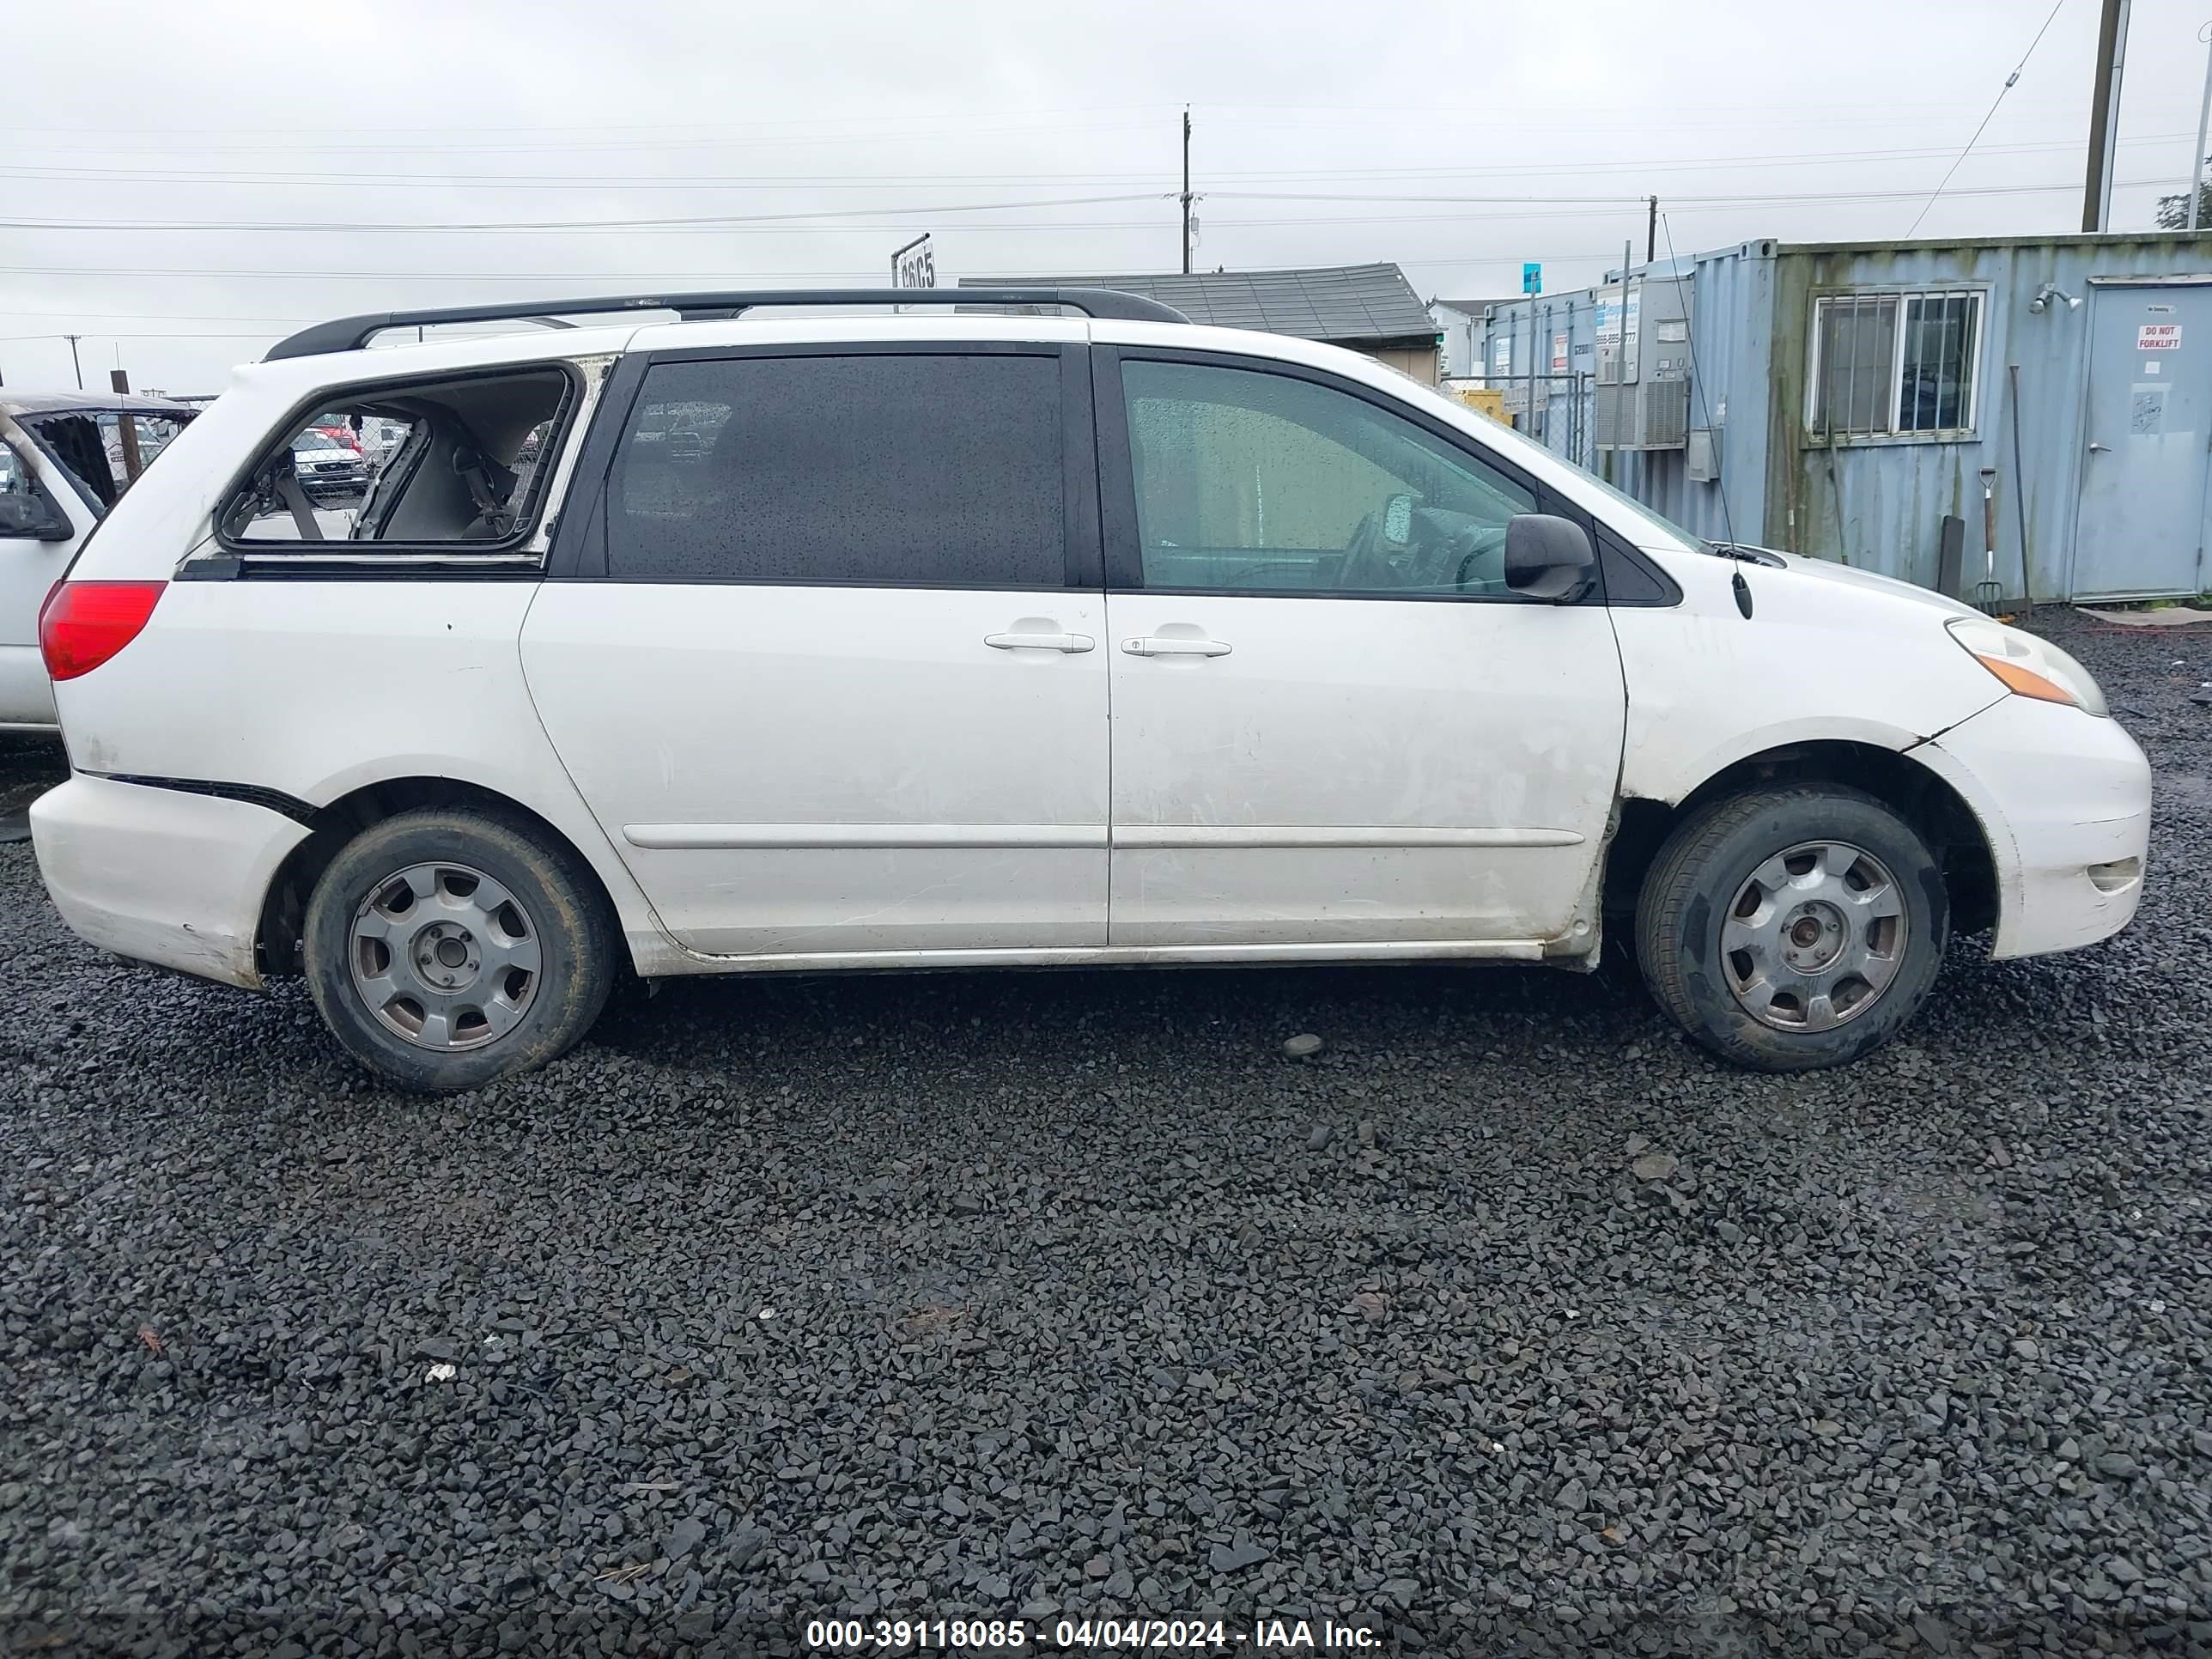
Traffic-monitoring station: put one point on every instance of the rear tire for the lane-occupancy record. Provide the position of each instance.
(1792, 929)
(449, 948)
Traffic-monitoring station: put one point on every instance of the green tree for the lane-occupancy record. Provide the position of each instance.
(2173, 211)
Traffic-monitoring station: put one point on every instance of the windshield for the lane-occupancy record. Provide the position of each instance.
(312, 439)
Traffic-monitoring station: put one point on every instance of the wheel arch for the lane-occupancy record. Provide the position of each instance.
(283, 907)
(1941, 817)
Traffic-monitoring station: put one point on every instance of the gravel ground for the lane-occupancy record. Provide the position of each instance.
(1506, 1322)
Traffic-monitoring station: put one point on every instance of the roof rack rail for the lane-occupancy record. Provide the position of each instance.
(351, 333)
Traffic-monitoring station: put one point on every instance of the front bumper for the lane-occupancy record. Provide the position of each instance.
(161, 875)
(2065, 800)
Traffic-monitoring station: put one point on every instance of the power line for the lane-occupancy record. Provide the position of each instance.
(902, 122)
(401, 134)
(580, 181)
(392, 143)
(1546, 206)
(2010, 80)
(655, 278)
(257, 334)
(713, 222)
(160, 316)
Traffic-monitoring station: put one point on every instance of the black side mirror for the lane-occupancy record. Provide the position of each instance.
(32, 518)
(1548, 557)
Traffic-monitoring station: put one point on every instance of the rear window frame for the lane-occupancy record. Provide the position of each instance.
(509, 550)
(579, 553)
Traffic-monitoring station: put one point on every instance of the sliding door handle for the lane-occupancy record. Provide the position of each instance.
(1074, 644)
(1157, 644)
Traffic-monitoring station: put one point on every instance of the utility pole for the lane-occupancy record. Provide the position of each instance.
(126, 427)
(2204, 119)
(1186, 189)
(1620, 371)
(1651, 235)
(73, 339)
(1531, 427)
(2105, 115)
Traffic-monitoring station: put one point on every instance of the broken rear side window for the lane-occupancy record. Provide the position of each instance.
(451, 462)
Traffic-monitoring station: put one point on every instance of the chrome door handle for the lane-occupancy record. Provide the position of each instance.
(2094, 447)
(1075, 644)
(1149, 645)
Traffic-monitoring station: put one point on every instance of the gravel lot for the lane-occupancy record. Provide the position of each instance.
(912, 1296)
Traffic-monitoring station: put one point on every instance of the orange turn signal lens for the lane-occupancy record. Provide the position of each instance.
(2027, 682)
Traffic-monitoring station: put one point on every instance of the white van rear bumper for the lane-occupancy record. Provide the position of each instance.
(159, 875)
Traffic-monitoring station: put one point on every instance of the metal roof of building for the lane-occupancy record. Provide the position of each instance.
(1344, 305)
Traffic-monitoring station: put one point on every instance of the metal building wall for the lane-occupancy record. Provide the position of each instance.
(1730, 296)
(1878, 503)
(1564, 419)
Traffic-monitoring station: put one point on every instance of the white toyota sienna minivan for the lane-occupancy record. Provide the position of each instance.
(1049, 631)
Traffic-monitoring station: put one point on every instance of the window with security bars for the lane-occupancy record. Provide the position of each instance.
(1895, 365)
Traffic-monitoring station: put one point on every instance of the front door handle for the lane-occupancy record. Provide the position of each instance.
(1075, 644)
(1154, 645)
(2093, 448)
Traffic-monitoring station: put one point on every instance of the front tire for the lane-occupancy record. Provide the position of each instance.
(449, 948)
(1792, 929)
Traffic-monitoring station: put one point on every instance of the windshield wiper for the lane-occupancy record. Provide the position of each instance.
(1761, 556)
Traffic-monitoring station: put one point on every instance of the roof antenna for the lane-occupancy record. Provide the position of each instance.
(1736, 583)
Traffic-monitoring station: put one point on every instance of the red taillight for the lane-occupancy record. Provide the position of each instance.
(82, 625)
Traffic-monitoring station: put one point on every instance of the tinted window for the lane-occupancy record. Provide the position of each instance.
(883, 469)
(1628, 579)
(1252, 482)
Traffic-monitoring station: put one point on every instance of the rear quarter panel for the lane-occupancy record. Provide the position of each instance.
(316, 687)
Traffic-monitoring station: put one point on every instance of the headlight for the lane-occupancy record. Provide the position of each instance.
(2033, 667)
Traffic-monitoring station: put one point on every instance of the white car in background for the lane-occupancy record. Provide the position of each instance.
(326, 469)
(62, 466)
(967, 641)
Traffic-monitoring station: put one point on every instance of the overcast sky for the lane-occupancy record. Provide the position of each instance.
(1457, 137)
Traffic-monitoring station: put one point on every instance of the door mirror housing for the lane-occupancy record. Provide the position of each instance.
(1548, 557)
(32, 518)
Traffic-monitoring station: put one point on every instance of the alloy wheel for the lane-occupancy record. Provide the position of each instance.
(444, 957)
(1814, 936)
